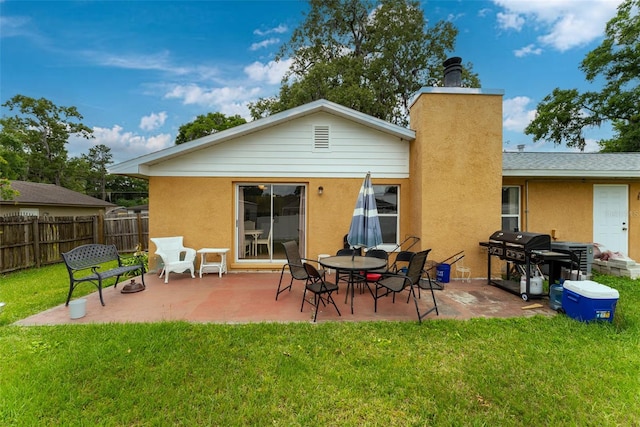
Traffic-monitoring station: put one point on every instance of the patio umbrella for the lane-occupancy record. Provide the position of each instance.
(364, 231)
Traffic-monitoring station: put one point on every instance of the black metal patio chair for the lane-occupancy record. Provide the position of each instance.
(373, 276)
(400, 265)
(295, 264)
(321, 290)
(393, 283)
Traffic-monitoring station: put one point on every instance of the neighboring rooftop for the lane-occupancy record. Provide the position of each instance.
(582, 165)
(34, 193)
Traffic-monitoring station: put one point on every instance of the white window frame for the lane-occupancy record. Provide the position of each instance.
(517, 215)
(392, 246)
(238, 187)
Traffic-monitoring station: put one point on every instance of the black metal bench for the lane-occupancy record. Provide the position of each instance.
(79, 260)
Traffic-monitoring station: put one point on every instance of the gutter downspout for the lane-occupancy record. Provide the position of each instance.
(526, 209)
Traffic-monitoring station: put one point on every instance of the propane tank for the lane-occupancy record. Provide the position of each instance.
(535, 285)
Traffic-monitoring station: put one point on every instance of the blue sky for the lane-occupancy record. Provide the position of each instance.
(137, 70)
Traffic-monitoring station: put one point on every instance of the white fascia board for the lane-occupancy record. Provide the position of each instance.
(369, 121)
(287, 175)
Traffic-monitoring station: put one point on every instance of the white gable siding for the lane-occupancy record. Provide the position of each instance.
(287, 150)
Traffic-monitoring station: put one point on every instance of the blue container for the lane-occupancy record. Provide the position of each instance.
(443, 273)
(589, 301)
(555, 296)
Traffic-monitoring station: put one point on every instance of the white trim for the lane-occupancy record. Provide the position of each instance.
(519, 205)
(237, 220)
(453, 91)
(611, 214)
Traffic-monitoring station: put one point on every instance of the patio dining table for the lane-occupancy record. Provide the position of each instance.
(354, 265)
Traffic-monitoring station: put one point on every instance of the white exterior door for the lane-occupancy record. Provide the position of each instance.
(611, 217)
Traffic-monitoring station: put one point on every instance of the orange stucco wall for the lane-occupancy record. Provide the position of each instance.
(564, 208)
(452, 200)
(456, 170)
(203, 211)
(197, 208)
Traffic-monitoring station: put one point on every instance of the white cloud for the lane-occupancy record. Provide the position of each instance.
(271, 72)
(153, 121)
(280, 29)
(14, 26)
(527, 50)
(194, 94)
(510, 21)
(161, 61)
(590, 146)
(515, 113)
(263, 80)
(563, 24)
(264, 43)
(484, 12)
(227, 100)
(124, 145)
(454, 17)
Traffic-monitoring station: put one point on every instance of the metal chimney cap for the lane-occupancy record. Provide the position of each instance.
(454, 60)
(453, 72)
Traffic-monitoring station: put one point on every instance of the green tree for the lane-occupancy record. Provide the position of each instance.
(43, 129)
(127, 191)
(6, 192)
(205, 125)
(565, 114)
(76, 176)
(364, 54)
(98, 160)
(14, 166)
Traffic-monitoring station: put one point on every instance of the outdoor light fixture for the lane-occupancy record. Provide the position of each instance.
(320, 190)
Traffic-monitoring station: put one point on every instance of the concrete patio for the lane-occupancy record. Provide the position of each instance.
(250, 297)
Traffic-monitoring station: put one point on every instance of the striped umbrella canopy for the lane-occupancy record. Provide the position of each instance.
(365, 226)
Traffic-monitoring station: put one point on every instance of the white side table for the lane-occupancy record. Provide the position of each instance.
(213, 266)
(323, 256)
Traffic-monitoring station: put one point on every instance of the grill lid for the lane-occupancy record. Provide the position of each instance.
(526, 239)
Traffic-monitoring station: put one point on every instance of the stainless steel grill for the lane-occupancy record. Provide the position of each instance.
(522, 251)
(517, 245)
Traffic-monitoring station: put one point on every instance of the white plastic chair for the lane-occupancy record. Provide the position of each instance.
(462, 271)
(266, 242)
(175, 257)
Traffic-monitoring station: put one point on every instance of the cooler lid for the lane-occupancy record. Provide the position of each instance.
(591, 289)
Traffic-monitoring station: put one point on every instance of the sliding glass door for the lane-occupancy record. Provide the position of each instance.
(267, 215)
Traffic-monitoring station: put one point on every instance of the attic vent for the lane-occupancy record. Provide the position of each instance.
(321, 137)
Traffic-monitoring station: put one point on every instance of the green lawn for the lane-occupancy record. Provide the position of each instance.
(493, 372)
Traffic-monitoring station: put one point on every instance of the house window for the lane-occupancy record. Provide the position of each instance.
(267, 215)
(388, 211)
(511, 208)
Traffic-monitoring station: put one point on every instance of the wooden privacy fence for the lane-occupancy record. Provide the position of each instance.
(36, 241)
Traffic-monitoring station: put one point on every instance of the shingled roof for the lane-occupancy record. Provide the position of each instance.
(581, 165)
(33, 193)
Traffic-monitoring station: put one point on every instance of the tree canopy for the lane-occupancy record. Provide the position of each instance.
(364, 54)
(565, 114)
(39, 131)
(33, 148)
(207, 124)
(98, 160)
